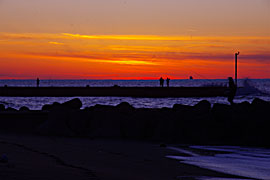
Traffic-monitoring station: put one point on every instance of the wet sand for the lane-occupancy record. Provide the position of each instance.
(40, 157)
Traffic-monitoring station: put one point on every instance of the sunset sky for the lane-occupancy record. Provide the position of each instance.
(133, 39)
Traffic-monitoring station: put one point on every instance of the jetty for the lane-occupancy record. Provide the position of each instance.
(115, 91)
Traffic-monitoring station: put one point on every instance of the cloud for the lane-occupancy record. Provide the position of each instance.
(211, 57)
(257, 57)
(68, 36)
(129, 37)
(56, 43)
(30, 36)
(128, 59)
(156, 59)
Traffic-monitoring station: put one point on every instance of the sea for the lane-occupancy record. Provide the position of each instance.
(244, 162)
(253, 88)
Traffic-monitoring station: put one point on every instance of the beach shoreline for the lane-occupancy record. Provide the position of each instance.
(36, 157)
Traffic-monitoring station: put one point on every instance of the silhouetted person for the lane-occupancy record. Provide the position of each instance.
(37, 82)
(168, 81)
(232, 90)
(161, 81)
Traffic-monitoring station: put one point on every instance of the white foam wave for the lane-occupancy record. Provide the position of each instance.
(245, 162)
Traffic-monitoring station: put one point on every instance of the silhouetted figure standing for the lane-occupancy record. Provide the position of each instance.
(168, 81)
(232, 90)
(161, 81)
(37, 82)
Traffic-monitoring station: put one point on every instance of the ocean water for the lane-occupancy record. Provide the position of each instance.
(252, 163)
(259, 88)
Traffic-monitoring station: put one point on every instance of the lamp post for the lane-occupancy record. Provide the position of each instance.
(236, 55)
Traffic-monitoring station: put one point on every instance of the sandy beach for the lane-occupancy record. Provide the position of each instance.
(40, 157)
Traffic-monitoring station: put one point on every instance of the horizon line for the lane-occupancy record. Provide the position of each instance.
(135, 79)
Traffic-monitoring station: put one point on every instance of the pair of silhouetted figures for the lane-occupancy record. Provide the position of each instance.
(161, 81)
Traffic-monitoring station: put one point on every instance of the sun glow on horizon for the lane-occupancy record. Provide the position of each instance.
(66, 55)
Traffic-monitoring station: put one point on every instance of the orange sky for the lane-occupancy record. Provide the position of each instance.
(133, 40)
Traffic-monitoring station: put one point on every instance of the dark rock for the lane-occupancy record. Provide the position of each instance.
(73, 104)
(203, 106)
(242, 108)
(49, 107)
(260, 103)
(99, 106)
(260, 109)
(105, 123)
(2, 107)
(222, 114)
(78, 122)
(46, 107)
(245, 103)
(11, 109)
(56, 104)
(125, 106)
(24, 108)
(57, 123)
(222, 111)
(181, 107)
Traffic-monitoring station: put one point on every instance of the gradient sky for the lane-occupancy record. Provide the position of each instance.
(134, 39)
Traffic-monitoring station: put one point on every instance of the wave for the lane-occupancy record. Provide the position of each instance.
(239, 161)
(250, 89)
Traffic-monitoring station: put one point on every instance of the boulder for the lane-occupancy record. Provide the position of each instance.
(181, 107)
(260, 109)
(57, 123)
(203, 106)
(49, 107)
(11, 109)
(73, 104)
(102, 107)
(104, 123)
(243, 107)
(2, 107)
(46, 107)
(24, 108)
(56, 104)
(78, 122)
(222, 114)
(259, 103)
(125, 106)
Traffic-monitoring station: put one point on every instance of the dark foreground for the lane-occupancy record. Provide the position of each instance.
(238, 124)
(149, 92)
(62, 141)
(62, 158)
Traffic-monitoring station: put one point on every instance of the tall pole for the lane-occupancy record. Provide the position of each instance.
(236, 54)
